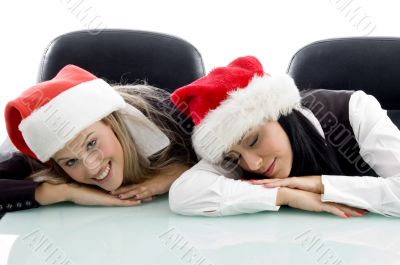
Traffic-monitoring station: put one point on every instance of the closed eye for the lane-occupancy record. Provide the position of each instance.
(254, 142)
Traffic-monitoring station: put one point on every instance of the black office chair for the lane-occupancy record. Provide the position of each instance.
(371, 64)
(119, 56)
(125, 56)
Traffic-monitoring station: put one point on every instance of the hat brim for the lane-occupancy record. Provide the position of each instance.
(265, 98)
(50, 127)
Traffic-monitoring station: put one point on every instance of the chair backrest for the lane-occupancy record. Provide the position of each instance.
(371, 64)
(126, 56)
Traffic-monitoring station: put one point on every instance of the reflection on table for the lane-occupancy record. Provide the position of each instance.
(152, 234)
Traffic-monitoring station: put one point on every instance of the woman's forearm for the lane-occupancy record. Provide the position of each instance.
(173, 172)
(282, 196)
(46, 193)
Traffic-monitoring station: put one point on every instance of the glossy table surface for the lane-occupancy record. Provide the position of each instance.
(152, 234)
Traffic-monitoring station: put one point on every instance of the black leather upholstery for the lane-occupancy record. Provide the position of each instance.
(126, 56)
(371, 64)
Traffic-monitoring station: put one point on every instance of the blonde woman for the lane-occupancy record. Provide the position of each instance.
(91, 143)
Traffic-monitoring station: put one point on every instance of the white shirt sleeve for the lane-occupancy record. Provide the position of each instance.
(379, 142)
(7, 149)
(204, 190)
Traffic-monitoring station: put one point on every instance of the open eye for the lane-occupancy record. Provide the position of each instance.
(91, 144)
(70, 162)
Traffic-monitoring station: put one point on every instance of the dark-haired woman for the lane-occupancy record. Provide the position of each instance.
(319, 150)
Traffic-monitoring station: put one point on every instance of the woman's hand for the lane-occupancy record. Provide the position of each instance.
(306, 183)
(156, 185)
(46, 194)
(86, 195)
(145, 190)
(310, 201)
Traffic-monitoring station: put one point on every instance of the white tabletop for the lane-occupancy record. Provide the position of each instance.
(152, 234)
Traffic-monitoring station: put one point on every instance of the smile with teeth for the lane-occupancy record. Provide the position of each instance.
(105, 172)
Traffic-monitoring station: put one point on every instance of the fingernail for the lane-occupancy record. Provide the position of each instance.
(362, 212)
(346, 215)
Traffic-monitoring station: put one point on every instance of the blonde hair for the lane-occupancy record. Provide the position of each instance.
(153, 103)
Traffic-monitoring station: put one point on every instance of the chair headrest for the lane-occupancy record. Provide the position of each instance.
(126, 56)
(371, 64)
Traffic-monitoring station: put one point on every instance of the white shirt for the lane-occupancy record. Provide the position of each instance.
(206, 190)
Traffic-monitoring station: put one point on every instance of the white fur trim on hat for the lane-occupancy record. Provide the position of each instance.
(51, 126)
(265, 98)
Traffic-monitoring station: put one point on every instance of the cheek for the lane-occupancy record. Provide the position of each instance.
(251, 154)
(112, 147)
(118, 152)
(75, 173)
(115, 150)
(106, 150)
(286, 146)
(244, 166)
(270, 147)
(279, 146)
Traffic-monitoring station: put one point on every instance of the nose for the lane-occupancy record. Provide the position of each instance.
(252, 160)
(93, 162)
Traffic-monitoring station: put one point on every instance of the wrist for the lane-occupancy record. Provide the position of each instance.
(282, 196)
(46, 193)
(70, 191)
(175, 171)
(321, 185)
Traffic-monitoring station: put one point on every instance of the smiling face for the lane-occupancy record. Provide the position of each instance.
(94, 157)
(265, 150)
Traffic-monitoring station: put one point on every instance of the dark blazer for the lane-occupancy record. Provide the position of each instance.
(15, 192)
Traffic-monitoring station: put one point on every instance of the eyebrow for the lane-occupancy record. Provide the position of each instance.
(243, 138)
(248, 135)
(87, 136)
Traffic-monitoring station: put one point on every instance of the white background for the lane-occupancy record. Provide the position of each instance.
(221, 30)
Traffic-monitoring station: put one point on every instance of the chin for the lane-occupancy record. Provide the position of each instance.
(108, 188)
(282, 175)
(113, 187)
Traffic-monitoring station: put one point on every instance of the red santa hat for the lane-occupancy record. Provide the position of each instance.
(44, 118)
(230, 100)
